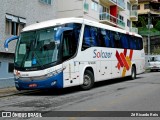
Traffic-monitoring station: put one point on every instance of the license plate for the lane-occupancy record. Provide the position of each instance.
(32, 85)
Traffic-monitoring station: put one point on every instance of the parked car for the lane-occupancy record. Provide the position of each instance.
(154, 63)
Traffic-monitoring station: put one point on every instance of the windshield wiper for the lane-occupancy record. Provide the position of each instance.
(39, 61)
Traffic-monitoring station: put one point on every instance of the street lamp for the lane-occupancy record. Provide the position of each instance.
(149, 21)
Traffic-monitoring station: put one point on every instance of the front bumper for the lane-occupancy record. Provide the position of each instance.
(51, 82)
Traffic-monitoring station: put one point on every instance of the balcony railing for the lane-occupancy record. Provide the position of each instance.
(120, 23)
(121, 3)
(134, 30)
(134, 13)
(115, 1)
(111, 19)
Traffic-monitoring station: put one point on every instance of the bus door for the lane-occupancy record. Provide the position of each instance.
(69, 47)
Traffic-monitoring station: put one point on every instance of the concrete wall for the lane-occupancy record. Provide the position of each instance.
(142, 10)
(32, 10)
(74, 8)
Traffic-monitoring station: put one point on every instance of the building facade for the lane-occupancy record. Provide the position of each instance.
(118, 13)
(149, 11)
(16, 14)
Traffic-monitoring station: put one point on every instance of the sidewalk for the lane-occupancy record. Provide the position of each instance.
(4, 92)
(8, 91)
(7, 82)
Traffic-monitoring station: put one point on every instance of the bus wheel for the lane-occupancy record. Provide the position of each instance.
(133, 73)
(88, 80)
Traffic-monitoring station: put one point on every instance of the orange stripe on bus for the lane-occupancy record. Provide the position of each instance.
(128, 61)
(124, 72)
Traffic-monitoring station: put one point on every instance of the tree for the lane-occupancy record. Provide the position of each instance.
(156, 51)
(158, 25)
(142, 21)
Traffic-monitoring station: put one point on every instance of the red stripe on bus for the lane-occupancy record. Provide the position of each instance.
(119, 59)
(125, 52)
(124, 61)
(131, 54)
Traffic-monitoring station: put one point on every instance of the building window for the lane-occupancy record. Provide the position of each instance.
(121, 17)
(128, 23)
(128, 6)
(146, 6)
(94, 6)
(10, 67)
(134, 7)
(138, 7)
(14, 24)
(49, 2)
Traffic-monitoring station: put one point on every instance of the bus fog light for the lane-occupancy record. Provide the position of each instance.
(53, 83)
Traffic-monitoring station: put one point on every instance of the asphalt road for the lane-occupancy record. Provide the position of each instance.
(142, 94)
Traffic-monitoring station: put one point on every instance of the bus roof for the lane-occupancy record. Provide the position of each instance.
(61, 21)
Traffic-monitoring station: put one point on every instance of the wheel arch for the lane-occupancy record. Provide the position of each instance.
(83, 71)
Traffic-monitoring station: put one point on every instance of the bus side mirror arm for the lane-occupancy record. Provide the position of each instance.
(9, 40)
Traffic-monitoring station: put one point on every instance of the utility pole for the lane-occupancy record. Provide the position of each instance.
(149, 22)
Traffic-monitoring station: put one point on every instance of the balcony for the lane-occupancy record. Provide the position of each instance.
(119, 3)
(134, 15)
(108, 19)
(86, 7)
(134, 30)
(134, 1)
(155, 7)
(155, 11)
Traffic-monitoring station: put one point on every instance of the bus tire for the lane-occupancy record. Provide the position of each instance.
(88, 80)
(133, 73)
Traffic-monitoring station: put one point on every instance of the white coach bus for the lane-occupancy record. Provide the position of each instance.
(73, 51)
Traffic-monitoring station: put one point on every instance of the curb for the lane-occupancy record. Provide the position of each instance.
(4, 92)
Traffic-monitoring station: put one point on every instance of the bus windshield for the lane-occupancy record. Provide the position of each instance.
(36, 49)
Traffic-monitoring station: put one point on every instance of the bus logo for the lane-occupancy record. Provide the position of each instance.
(124, 61)
(101, 54)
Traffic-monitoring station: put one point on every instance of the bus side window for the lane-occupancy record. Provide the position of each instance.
(124, 41)
(139, 43)
(90, 37)
(102, 37)
(117, 40)
(132, 42)
(69, 45)
(94, 36)
(86, 38)
(107, 39)
(112, 39)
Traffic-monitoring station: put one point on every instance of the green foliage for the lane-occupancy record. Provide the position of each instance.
(158, 25)
(156, 51)
(142, 21)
